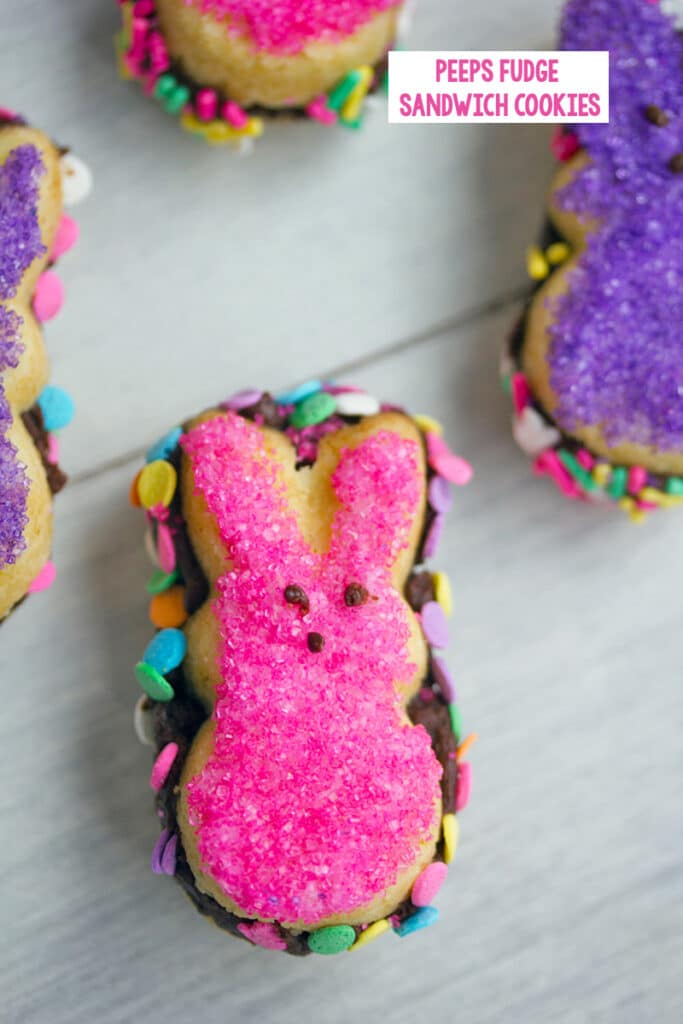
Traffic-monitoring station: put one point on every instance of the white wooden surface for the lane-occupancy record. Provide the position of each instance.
(396, 251)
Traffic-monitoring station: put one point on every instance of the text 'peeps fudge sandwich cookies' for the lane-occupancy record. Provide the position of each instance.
(36, 179)
(221, 65)
(310, 760)
(596, 362)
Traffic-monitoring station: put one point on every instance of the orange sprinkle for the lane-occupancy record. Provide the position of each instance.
(133, 496)
(468, 742)
(167, 610)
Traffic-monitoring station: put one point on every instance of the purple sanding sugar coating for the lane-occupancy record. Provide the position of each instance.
(20, 244)
(616, 354)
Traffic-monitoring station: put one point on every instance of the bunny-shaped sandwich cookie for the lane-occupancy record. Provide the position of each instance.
(596, 362)
(224, 65)
(310, 761)
(34, 179)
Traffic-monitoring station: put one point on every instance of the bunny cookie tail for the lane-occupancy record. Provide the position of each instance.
(595, 364)
(36, 179)
(310, 756)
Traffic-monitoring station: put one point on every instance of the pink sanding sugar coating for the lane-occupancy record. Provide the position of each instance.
(317, 794)
(289, 25)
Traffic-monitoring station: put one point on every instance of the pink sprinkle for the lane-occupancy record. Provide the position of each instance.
(44, 579)
(243, 399)
(585, 459)
(434, 624)
(521, 395)
(647, 506)
(143, 8)
(426, 695)
(7, 115)
(318, 110)
(66, 237)
(52, 449)
(548, 462)
(563, 144)
(445, 463)
(206, 101)
(48, 297)
(337, 796)
(165, 548)
(233, 114)
(263, 934)
(162, 766)
(463, 787)
(428, 883)
(637, 478)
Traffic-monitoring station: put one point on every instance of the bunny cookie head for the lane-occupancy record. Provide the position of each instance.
(601, 346)
(308, 798)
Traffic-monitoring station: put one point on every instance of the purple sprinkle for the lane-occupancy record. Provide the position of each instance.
(242, 399)
(440, 497)
(158, 851)
(434, 624)
(433, 537)
(616, 342)
(443, 677)
(168, 857)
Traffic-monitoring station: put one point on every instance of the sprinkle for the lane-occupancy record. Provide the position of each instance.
(585, 459)
(57, 408)
(557, 253)
(427, 424)
(143, 722)
(532, 433)
(466, 744)
(601, 473)
(357, 403)
(431, 541)
(521, 393)
(162, 766)
(43, 580)
(154, 684)
(674, 485)
(150, 546)
(334, 939)
(439, 494)
(451, 830)
(463, 786)
(637, 478)
(206, 103)
(243, 399)
(576, 471)
(165, 548)
(536, 264)
(428, 883)
(341, 92)
(167, 861)
(234, 115)
(372, 932)
(564, 144)
(166, 651)
(319, 111)
(133, 496)
(298, 394)
(76, 179)
(617, 485)
(262, 933)
(455, 716)
(165, 446)
(157, 484)
(48, 297)
(355, 595)
(314, 409)
(352, 107)
(167, 610)
(548, 462)
(434, 624)
(422, 918)
(160, 581)
(66, 237)
(316, 642)
(444, 680)
(444, 462)
(443, 592)
(158, 850)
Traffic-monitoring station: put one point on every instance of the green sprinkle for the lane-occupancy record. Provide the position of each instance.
(334, 939)
(506, 383)
(616, 488)
(313, 409)
(160, 581)
(174, 103)
(456, 720)
(354, 125)
(165, 86)
(341, 92)
(576, 470)
(674, 485)
(153, 683)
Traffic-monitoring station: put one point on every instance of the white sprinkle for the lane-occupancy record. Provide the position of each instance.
(356, 403)
(142, 721)
(532, 433)
(76, 179)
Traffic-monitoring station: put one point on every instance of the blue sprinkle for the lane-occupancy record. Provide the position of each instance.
(166, 651)
(57, 408)
(422, 918)
(305, 390)
(165, 446)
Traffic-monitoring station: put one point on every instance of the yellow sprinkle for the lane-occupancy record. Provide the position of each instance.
(557, 253)
(428, 424)
(192, 124)
(602, 473)
(121, 47)
(373, 931)
(218, 132)
(536, 264)
(127, 32)
(656, 497)
(451, 831)
(253, 128)
(352, 107)
(638, 515)
(442, 591)
(157, 484)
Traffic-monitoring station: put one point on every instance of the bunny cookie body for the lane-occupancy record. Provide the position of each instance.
(312, 795)
(33, 233)
(596, 362)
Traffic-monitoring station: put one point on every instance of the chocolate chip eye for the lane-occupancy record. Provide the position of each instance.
(294, 594)
(656, 116)
(676, 163)
(316, 642)
(354, 595)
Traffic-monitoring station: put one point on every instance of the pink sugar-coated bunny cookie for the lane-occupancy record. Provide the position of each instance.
(307, 769)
